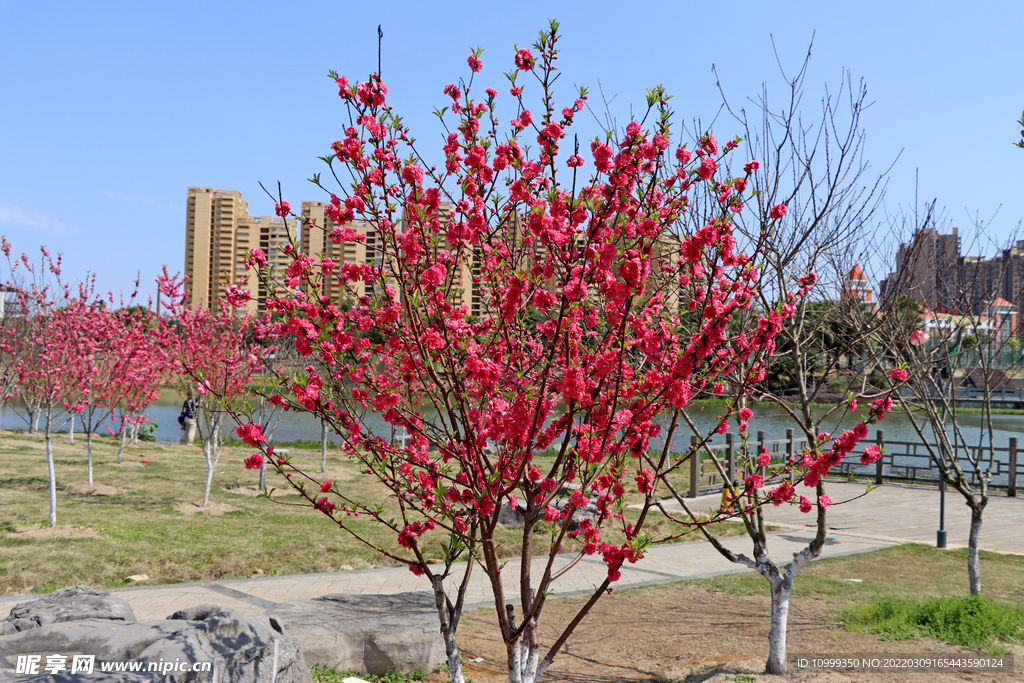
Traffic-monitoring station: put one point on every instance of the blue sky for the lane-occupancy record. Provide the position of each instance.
(112, 110)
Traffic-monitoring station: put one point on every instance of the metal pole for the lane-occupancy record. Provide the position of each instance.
(1011, 488)
(940, 536)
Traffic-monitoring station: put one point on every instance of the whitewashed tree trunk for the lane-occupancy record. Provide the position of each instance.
(781, 588)
(973, 568)
(71, 432)
(451, 648)
(524, 654)
(88, 450)
(211, 450)
(120, 448)
(50, 468)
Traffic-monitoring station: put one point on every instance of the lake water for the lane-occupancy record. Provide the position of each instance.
(300, 426)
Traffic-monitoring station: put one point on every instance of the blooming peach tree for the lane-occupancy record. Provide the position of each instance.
(43, 356)
(533, 317)
(211, 354)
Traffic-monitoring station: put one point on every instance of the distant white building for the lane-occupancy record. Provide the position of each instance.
(6, 293)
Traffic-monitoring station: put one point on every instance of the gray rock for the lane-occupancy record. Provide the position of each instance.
(67, 604)
(240, 649)
(365, 633)
(509, 517)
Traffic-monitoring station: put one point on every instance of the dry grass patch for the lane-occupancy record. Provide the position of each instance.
(59, 531)
(95, 490)
(196, 508)
(253, 491)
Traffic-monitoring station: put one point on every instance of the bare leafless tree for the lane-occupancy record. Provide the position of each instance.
(818, 172)
(958, 351)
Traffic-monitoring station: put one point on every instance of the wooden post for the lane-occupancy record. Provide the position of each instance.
(879, 464)
(1011, 489)
(730, 458)
(694, 468)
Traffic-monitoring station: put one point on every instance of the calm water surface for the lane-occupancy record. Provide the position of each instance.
(299, 426)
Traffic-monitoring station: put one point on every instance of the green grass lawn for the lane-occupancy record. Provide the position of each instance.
(911, 591)
(911, 570)
(133, 523)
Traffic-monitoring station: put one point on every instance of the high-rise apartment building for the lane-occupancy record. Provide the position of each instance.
(316, 242)
(211, 250)
(931, 269)
(219, 235)
(928, 269)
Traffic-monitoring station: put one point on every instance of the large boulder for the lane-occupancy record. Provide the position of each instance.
(67, 604)
(365, 633)
(238, 648)
(508, 516)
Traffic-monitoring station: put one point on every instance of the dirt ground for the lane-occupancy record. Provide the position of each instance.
(686, 633)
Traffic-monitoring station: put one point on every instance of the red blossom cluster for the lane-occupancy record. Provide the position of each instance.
(575, 344)
(517, 308)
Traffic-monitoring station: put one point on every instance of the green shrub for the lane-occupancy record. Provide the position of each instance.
(971, 621)
(147, 432)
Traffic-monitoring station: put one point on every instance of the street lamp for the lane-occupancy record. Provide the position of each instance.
(940, 369)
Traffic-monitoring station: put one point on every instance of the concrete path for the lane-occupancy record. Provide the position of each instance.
(887, 516)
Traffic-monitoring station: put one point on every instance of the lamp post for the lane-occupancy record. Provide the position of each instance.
(947, 371)
(940, 371)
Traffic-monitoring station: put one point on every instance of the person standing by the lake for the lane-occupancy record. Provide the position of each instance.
(187, 420)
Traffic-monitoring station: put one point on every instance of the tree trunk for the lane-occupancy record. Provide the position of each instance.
(781, 589)
(209, 446)
(323, 446)
(120, 448)
(88, 449)
(263, 475)
(523, 654)
(451, 648)
(71, 433)
(973, 568)
(50, 468)
(209, 473)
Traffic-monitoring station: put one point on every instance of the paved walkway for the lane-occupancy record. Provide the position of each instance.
(885, 517)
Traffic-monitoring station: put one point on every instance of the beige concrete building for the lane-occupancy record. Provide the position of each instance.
(927, 269)
(219, 235)
(316, 242)
(271, 234)
(210, 247)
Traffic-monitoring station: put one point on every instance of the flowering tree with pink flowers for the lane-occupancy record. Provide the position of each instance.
(41, 353)
(211, 355)
(124, 373)
(538, 321)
